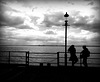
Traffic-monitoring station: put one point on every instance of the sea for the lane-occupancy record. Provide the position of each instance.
(34, 49)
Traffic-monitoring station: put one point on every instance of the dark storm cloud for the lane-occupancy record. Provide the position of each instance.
(7, 33)
(70, 3)
(79, 21)
(83, 24)
(54, 19)
(23, 27)
(87, 0)
(50, 33)
(96, 8)
(6, 19)
(2, 2)
(39, 0)
(96, 26)
(91, 3)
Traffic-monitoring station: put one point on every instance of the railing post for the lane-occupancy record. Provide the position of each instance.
(48, 64)
(27, 58)
(41, 64)
(9, 58)
(57, 58)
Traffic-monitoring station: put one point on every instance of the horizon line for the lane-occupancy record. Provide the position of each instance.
(54, 45)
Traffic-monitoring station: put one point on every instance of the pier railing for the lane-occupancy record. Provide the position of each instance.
(43, 58)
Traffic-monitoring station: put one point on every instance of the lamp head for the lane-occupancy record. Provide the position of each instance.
(66, 15)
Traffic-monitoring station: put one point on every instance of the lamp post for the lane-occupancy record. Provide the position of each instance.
(66, 24)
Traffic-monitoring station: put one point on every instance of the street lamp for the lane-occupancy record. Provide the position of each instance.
(66, 24)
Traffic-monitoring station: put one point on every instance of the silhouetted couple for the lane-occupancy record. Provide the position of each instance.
(84, 54)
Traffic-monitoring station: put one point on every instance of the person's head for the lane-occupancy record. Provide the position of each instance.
(84, 47)
(72, 46)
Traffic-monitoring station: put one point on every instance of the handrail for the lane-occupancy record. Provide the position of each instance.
(79, 52)
(52, 56)
(45, 52)
(13, 51)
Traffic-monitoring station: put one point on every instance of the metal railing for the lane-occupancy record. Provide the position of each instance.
(43, 58)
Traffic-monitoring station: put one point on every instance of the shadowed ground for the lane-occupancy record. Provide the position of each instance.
(48, 74)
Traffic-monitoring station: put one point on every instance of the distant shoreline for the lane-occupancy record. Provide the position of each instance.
(54, 45)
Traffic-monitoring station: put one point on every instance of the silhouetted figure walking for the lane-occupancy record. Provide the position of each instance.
(73, 56)
(84, 54)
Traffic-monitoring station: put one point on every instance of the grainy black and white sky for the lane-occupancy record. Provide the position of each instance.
(40, 22)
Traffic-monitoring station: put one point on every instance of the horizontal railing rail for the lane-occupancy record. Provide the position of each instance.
(30, 58)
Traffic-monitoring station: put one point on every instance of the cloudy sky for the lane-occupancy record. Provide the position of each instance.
(41, 22)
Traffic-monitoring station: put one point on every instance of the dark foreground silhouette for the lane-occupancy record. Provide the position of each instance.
(73, 56)
(49, 74)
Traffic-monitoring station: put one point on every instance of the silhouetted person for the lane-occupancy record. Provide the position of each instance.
(84, 54)
(73, 56)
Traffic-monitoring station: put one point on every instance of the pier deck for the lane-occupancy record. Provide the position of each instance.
(49, 74)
